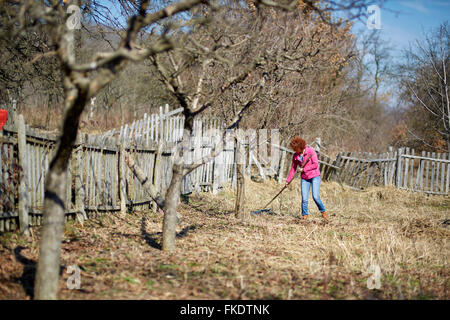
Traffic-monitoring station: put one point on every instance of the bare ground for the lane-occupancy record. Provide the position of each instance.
(267, 257)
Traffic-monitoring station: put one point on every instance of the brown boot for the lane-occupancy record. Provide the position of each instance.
(324, 215)
(304, 217)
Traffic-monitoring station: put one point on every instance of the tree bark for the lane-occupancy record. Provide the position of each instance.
(172, 196)
(170, 209)
(47, 275)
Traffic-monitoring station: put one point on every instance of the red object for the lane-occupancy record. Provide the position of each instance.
(3, 118)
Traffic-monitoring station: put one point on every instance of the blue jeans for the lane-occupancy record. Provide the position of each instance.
(315, 182)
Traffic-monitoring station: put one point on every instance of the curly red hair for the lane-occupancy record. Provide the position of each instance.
(297, 144)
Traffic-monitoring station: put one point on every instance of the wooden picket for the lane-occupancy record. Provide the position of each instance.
(428, 173)
(361, 170)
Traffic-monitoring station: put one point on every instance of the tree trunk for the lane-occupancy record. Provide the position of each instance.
(47, 274)
(172, 196)
(46, 285)
(170, 208)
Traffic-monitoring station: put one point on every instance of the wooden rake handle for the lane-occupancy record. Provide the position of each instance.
(301, 166)
(306, 161)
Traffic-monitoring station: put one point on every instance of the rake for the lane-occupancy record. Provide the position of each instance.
(269, 211)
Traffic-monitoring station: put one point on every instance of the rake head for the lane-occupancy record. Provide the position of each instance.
(264, 211)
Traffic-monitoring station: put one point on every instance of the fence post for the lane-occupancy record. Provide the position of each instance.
(281, 167)
(240, 181)
(398, 170)
(336, 172)
(69, 184)
(79, 186)
(161, 124)
(158, 171)
(262, 155)
(318, 141)
(14, 113)
(387, 170)
(122, 179)
(23, 193)
(447, 181)
(166, 119)
(217, 165)
(197, 154)
(274, 151)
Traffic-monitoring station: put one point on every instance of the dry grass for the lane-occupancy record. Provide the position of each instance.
(267, 257)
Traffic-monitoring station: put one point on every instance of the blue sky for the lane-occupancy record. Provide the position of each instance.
(403, 21)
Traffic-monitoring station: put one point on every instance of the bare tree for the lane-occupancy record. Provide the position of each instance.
(369, 89)
(425, 84)
(198, 73)
(305, 55)
(81, 81)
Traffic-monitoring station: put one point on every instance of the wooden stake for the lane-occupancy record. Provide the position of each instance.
(23, 192)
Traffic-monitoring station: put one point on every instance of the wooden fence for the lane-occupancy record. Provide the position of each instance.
(100, 181)
(359, 170)
(428, 173)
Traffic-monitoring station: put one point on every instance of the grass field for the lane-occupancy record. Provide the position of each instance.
(267, 257)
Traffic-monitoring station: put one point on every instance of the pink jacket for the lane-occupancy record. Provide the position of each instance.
(310, 170)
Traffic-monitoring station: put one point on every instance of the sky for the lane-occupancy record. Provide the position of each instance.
(404, 21)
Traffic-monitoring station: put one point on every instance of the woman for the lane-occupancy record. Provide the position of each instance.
(310, 174)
